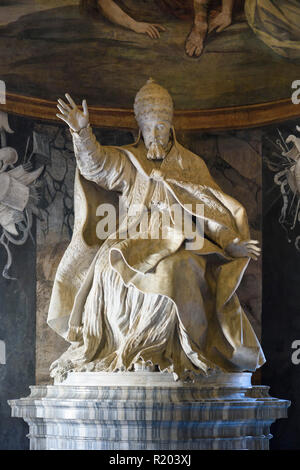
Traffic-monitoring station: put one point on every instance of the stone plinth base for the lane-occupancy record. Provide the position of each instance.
(149, 410)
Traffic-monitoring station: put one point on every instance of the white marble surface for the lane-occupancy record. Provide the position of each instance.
(154, 379)
(220, 413)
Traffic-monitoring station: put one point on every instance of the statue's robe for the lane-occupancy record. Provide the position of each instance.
(196, 288)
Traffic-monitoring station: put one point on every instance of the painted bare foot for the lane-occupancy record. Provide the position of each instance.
(195, 41)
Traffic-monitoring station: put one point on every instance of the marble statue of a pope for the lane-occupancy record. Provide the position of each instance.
(126, 301)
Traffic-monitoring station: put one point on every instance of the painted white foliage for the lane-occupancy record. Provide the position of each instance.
(287, 177)
(17, 195)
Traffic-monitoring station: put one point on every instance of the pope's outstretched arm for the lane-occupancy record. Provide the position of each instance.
(107, 166)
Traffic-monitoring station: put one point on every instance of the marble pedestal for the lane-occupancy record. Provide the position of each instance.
(149, 410)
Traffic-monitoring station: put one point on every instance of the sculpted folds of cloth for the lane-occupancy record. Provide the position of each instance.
(128, 301)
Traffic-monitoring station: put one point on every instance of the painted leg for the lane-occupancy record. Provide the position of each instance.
(195, 40)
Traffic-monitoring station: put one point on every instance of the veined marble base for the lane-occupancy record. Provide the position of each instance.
(149, 410)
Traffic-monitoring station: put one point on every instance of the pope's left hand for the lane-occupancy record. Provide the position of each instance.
(241, 249)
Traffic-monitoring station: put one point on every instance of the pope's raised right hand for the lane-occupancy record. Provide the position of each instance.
(72, 115)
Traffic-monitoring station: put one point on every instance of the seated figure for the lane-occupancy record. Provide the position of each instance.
(276, 23)
(145, 293)
(197, 11)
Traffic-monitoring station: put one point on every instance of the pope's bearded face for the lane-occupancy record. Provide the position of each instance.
(156, 135)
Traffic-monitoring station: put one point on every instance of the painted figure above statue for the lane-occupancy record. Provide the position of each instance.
(203, 23)
(237, 59)
(276, 23)
(151, 291)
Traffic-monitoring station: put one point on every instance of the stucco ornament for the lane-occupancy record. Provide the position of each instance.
(17, 196)
(287, 176)
(145, 297)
